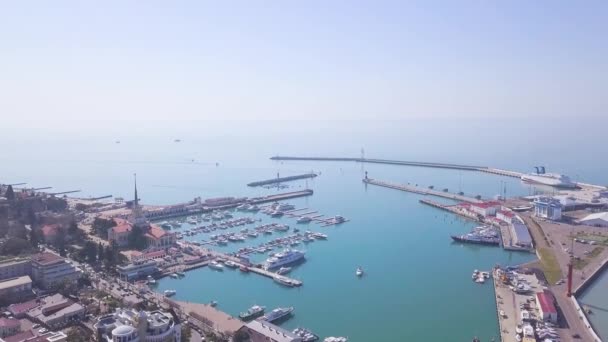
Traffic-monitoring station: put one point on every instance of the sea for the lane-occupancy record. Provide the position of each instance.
(417, 283)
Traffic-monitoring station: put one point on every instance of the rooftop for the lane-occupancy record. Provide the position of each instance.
(9, 323)
(596, 216)
(20, 308)
(50, 229)
(545, 300)
(46, 258)
(122, 228)
(22, 336)
(14, 261)
(17, 281)
(272, 331)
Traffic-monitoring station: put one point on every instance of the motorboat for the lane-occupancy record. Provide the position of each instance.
(283, 258)
(213, 303)
(284, 270)
(252, 313)
(174, 275)
(231, 264)
(359, 271)
(216, 265)
(277, 213)
(169, 293)
(304, 219)
(305, 335)
(277, 314)
(338, 219)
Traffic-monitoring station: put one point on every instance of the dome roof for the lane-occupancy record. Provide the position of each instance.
(123, 330)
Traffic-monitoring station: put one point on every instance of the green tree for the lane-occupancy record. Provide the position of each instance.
(137, 239)
(186, 333)
(100, 252)
(14, 246)
(240, 336)
(34, 236)
(100, 226)
(73, 228)
(90, 251)
(10, 194)
(77, 334)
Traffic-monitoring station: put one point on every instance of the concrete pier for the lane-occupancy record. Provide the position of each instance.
(283, 179)
(421, 190)
(280, 197)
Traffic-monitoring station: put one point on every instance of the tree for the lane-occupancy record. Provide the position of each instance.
(10, 194)
(14, 246)
(186, 333)
(34, 236)
(77, 334)
(240, 336)
(90, 251)
(137, 239)
(100, 252)
(73, 228)
(100, 226)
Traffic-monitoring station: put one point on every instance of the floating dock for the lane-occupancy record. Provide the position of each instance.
(283, 179)
(421, 190)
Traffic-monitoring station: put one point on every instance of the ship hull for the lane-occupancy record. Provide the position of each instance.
(477, 242)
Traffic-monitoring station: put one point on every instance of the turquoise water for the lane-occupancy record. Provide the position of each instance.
(417, 285)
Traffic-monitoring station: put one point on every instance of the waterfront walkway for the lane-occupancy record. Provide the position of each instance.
(422, 191)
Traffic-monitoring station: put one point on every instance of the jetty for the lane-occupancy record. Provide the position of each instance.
(407, 163)
(421, 190)
(279, 197)
(282, 179)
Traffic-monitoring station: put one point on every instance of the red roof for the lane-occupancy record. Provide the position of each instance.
(122, 228)
(152, 255)
(507, 213)
(50, 229)
(156, 232)
(9, 322)
(486, 204)
(120, 221)
(545, 300)
(20, 308)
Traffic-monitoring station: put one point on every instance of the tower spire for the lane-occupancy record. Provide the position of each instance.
(136, 200)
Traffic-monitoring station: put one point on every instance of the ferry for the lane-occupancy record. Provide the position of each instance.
(252, 313)
(283, 258)
(550, 179)
(305, 334)
(216, 266)
(277, 314)
(169, 293)
(480, 235)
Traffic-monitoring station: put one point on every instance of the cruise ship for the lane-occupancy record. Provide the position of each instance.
(283, 258)
(550, 179)
(481, 236)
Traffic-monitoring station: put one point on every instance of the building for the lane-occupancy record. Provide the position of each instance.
(19, 310)
(128, 325)
(137, 270)
(56, 311)
(595, 220)
(137, 216)
(505, 215)
(485, 209)
(28, 336)
(16, 267)
(157, 237)
(119, 234)
(546, 306)
(16, 289)
(9, 326)
(520, 234)
(260, 331)
(548, 208)
(50, 232)
(50, 270)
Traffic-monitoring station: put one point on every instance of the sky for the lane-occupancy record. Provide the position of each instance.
(73, 61)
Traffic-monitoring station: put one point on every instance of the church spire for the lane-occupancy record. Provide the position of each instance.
(136, 200)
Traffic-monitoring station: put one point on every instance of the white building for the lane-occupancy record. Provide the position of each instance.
(16, 289)
(595, 220)
(137, 270)
(548, 208)
(485, 209)
(505, 215)
(260, 331)
(50, 270)
(128, 325)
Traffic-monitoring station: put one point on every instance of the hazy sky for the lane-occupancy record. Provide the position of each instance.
(302, 59)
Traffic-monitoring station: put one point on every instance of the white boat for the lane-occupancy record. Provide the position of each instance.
(231, 264)
(169, 293)
(320, 236)
(216, 265)
(304, 219)
(335, 339)
(151, 281)
(283, 258)
(285, 206)
(174, 275)
(277, 213)
(550, 179)
(359, 271)
(284, 270)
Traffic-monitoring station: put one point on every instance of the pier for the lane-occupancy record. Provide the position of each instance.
(280, 197)
(283, 179)
(63, 192)
(422, 191)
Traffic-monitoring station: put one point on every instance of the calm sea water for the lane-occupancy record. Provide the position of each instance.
(418, 282)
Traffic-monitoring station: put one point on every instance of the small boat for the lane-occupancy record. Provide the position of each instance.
(304, 219)
(151, 281)
(231, 264)
(335, 339)
(338, 219)
(244, 269)
(213, 303)
(174, 275)
(284, 281)
(284, 270)
(252, 313)
(305, 334)
(180, 273)
(359, 271)
(169, 293)
(277, 314)
(277, 213)
(216, 266)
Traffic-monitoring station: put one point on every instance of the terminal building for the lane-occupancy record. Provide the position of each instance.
(595, 220)
(548, 208)
(137, 270)
(260, 331)
(127, 325)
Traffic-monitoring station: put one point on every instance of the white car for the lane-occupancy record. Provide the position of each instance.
(42, 331)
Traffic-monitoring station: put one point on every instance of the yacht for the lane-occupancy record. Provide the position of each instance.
(180, 273)
(169, 293)
(338, 219)
(174, 275)
(151, 281)
(284, 270)
(335, 339)
(359, 271)
(551, 179)
(283, 258)
(282, 228)
(320, 236)
(216, 265)
(231, 264)
(285, 206)
(252, 234)
(304, 219)
(277, 314)
(305, 334)
(166, 225)
(277, 213)
(254, 208)
(252, 313)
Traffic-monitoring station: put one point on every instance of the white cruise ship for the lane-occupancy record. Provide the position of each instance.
(550, 179)
(288, 256)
